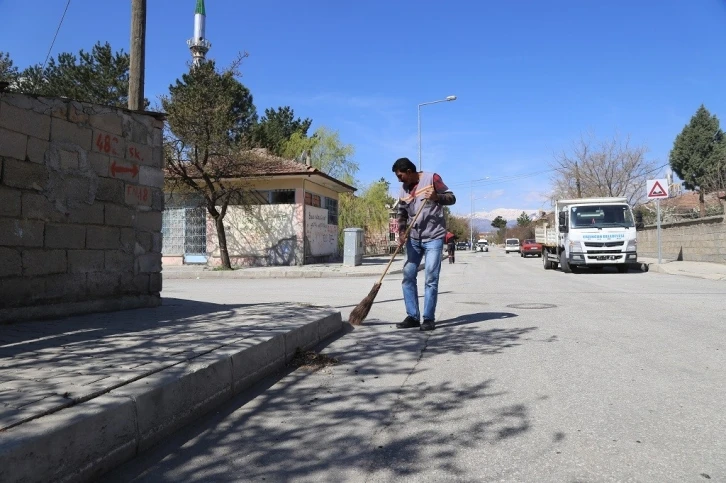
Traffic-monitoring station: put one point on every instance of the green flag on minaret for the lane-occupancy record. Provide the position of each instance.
(200, 8)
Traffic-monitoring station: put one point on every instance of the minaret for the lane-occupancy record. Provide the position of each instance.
(198, 44)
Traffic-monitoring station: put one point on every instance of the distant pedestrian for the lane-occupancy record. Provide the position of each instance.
(451, 247)
(425, 240)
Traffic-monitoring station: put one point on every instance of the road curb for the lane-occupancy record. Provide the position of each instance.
(246, 275)
(84, 441)
(659, 268)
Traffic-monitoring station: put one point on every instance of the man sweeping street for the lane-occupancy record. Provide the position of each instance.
(425, 240)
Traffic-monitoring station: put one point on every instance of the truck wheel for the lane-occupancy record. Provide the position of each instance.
(546, 262)
(564, 264)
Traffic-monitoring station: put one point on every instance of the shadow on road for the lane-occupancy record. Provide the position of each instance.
(366, 418)
(475, 318)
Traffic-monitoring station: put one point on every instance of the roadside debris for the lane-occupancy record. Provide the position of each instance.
(312, 360)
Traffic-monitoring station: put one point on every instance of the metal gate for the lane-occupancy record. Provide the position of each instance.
(184, 232)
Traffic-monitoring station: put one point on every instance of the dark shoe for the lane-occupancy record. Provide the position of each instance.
(408, 323)
(428, 325)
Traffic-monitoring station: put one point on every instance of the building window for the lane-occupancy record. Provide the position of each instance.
(312, 199)
(282, 197)
(263, 197)
(332, 206)
(392, 237)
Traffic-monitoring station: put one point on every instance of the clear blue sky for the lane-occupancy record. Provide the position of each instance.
(530, 76)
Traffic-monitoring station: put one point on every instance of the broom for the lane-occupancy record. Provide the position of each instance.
(358, 315)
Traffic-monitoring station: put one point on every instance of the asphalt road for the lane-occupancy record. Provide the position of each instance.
(531, 375)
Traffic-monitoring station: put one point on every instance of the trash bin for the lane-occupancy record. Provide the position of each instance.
(353, 246)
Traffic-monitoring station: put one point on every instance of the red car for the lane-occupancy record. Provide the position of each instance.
(530, 247)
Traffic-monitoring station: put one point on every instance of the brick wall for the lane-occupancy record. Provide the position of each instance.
(80, 207)
(700, 240)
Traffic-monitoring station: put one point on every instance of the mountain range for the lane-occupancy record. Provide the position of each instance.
(483, 219)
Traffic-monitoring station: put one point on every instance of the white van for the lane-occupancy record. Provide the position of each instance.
(511, 245)
(482, 246)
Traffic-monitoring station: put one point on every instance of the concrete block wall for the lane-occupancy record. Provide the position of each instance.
(80, 207)
(699, 240)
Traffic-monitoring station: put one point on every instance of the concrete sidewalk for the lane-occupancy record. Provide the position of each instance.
(710, 271)
(374, 266)
(371, 267)
(81, 395)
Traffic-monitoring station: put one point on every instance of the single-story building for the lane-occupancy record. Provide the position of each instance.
(286, 214)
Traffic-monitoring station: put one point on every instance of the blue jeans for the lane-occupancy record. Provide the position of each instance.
(430, 251)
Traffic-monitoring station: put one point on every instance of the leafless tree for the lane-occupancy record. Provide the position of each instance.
(594, 168)
(715, 184)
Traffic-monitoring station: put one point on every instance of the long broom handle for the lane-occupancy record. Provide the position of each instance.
(405, 235)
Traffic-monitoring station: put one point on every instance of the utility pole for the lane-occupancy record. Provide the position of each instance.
(471, 217)
(138, 54)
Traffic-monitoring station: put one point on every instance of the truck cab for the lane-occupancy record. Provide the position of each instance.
(590, 232)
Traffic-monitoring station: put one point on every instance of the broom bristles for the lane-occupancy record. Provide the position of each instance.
(358, 315)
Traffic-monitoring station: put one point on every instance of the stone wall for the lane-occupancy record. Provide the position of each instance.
(700, 240)
(80, 207)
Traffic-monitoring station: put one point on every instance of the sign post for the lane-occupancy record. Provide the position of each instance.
(657, 189)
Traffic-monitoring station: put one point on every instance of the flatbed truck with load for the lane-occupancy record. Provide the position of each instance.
(589, 233)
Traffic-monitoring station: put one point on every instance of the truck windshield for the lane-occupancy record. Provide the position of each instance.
(601, 216)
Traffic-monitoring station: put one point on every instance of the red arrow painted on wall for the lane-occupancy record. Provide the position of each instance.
(134, 170)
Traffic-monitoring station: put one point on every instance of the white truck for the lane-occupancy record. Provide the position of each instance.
(482, 245)
(589, 232)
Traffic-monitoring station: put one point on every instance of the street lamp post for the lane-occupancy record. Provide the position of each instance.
(471, 216)
(448, 99)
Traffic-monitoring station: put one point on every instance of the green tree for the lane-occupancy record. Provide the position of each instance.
(8, 71)
(275, 128)
(697, 152)
(100, 76)
(368, 211)
(325, 151)
(208, 113)
(524, 220)
(500, 224)
(458, 225)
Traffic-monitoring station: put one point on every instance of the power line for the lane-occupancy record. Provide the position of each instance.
(501, 179)
(656, 169)
(516, 177)
(56, 35)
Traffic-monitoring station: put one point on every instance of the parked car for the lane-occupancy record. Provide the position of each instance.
(511, 245)
(462, 245)
(531, 247)
(482, 246)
